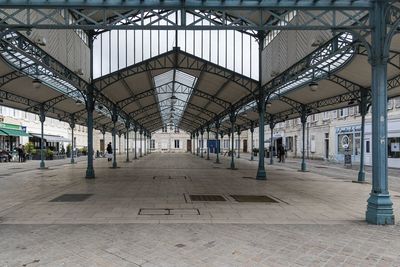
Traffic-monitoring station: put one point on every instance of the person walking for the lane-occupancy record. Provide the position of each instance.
(20, 155)
(281, 151)
(109, 152)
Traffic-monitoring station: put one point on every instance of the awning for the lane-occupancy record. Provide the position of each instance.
(12, 132)
(51, 138)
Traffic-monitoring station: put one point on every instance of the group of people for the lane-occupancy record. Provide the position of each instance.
(21, 153)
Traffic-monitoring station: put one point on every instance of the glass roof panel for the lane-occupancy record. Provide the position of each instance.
(173, 91)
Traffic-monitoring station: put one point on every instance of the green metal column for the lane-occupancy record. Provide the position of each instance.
(202, 142)
(145, 143)
(252, 143)
(238, 133)
(127, 126)
(218, 145)
(72, 125)
(303, 125)
(197, 143)
(140, 142)
(208, 140)
(90, 107)
(42, 119)
(261, 175)
(119, 142)
(114, 135)
(363, 111)
(271, 151)
(232, 119)
(135, 129)
(379, 209)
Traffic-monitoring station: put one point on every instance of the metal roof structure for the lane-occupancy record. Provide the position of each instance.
(359, 65)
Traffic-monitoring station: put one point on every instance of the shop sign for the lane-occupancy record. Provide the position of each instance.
(10, 126)
(349, 129)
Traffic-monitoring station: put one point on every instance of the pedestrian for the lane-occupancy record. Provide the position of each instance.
(23, 153)
(109, 152)
(281, 153)
(19, 150)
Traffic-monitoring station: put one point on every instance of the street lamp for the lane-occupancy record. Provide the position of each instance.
(313, 86)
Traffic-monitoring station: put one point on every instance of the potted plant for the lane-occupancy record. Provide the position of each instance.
(84, 151)
(49, 154)
(255, 151)
(30, 149)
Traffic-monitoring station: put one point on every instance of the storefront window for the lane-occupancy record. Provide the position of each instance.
(345, 141)
(394, 147)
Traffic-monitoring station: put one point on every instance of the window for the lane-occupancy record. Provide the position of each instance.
(289, 143)
(325, 116)
(394, 147)
(367, 147)
(344, 112)
(152, 144)
(314, 118)
(226, 143)
(236, 143)
(272, 34)
(176, 129)
(164, 128)
(334, 114)
(176, 143)
(390, 104)
(397, 101)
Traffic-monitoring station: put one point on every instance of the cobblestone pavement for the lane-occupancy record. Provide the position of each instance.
(318, 219)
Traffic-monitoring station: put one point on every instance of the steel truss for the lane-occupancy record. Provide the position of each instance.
(213, 15)
(17, 48)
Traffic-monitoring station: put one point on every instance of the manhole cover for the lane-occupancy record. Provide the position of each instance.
(71, 198)
(321, 167)
(248, 177)
(207, 198)
(178, 211)
(250, 198)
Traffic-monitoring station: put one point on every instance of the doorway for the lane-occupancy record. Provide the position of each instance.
(101, 145)
(189, 145)
(327, 146)
(245, 145)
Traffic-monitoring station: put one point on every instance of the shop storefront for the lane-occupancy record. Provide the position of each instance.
(11, 136)
(348, 140)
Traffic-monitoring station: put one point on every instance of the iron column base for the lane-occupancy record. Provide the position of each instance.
(90, 174)
(379, 209)
(361, 177)
(261, 175)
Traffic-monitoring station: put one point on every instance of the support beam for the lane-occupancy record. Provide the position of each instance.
(72, 125)
(251, 141)
(140, 142)
(217, 126)
(208, 140)
(135, 129)
(379, 209)
(363, 111)
(238, 134)
(114, 134)
(127, 126)
(197, 143)
(303, 150)
(202, 143)
(271, 144)
(232, 119)
(90, 107)
(42, 119)
(261, 175)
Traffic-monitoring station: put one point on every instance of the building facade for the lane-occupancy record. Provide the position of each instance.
(330, 135)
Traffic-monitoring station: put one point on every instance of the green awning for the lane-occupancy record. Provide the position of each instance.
(12, 132)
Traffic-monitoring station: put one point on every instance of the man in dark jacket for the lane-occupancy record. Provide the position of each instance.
(109, 151)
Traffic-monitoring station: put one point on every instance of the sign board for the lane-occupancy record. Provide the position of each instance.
(347, 158)
(345, 141)
(395, 147)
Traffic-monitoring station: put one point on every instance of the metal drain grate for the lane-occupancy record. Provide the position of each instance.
(248, 177)
(183, 211)
(169, 177)
(250, 198)
(71, 198)
(206, 198)
(321, 167)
